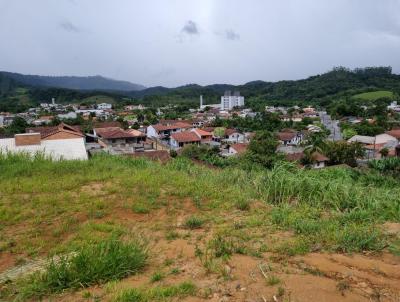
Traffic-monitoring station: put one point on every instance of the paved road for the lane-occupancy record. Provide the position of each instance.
(332, 125)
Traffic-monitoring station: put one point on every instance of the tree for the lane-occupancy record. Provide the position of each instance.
(262, 149)
(343, 153)
(384, 152)
(18, 125)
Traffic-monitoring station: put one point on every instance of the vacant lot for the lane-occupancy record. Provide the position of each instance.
(195, 234)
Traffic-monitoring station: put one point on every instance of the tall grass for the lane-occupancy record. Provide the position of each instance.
(33, 191)
(93, 264)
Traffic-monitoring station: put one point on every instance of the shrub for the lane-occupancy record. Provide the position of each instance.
(242, 204)
(194, 222)
(157, 276)
(92, 264)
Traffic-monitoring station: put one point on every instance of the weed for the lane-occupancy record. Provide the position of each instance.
(193, 222)
(158, 276)
(157, 293)
(281, 291)
(273, 280)
(110, 260)
(141, 208)
(242, 204)
(171, 235)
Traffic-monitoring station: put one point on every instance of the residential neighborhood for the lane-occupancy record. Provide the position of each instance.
(126, 131)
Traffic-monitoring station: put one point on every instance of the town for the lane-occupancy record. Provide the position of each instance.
(76, 131)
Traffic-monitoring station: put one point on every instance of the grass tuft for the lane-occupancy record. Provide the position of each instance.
(92, 264)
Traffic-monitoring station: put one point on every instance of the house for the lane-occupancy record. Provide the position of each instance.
(181, 139)
(163, 130)
(394, 133)
(43, 120)
(362, 139)
(234, 136)
(289, 137)
(69, 115)
(237, 149)
(118, 137)
(104, 106)
(318, 160)
(204, 136)
(62, 131)
(57, 149)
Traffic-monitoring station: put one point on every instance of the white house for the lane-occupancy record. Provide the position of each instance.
(104, 106)
(57, 149)
(69, 115)
(164, 130)
(290, 137)
(234, 136)
(229, 100)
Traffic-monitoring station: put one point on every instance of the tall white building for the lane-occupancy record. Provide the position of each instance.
(229, 100)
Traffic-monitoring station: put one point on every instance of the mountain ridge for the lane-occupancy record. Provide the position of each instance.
(96, 82)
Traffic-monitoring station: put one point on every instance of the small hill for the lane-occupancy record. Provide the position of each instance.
(73, 82)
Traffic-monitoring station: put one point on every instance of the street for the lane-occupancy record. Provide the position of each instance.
(332, 125)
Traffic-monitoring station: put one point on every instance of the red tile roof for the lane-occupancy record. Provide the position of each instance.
(51, 130)
(286, 136)
(201, 132)
(395, 133)
(113, 133)
(229, 131)
(177, 125)
(136, 133)
(240, 148)
(185, 137)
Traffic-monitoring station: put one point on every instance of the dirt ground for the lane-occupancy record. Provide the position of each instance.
(321, 277)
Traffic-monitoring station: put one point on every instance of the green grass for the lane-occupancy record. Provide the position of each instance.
(371, 96)
(49, 208)
(194, 222)
(93, 264)
(161, 293)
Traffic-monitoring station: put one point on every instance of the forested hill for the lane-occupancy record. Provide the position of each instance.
(339, 83)
(315, 89)
(72, 82)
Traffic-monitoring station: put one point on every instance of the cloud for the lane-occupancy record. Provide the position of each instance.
(190, 28)
(69, 27)
(231, 35)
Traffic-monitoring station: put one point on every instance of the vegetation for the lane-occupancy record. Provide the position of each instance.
(157, 293)
(93, 264)
(90, 219)
(320, 90)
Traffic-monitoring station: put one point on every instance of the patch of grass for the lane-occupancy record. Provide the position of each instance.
(94, 264)
(242, 204)
(157, 276)
(374, 95)
(157, 293)
(194, 222)
(394, 248)
(273, 280)
(171, 235)
(141, 208)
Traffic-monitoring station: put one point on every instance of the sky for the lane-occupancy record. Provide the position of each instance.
(177, 42)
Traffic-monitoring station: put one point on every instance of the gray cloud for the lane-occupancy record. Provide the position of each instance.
(285, 40)
(70, 27)
(231, 35)
(190, 28)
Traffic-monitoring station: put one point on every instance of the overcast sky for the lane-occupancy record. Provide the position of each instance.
(176, 42)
